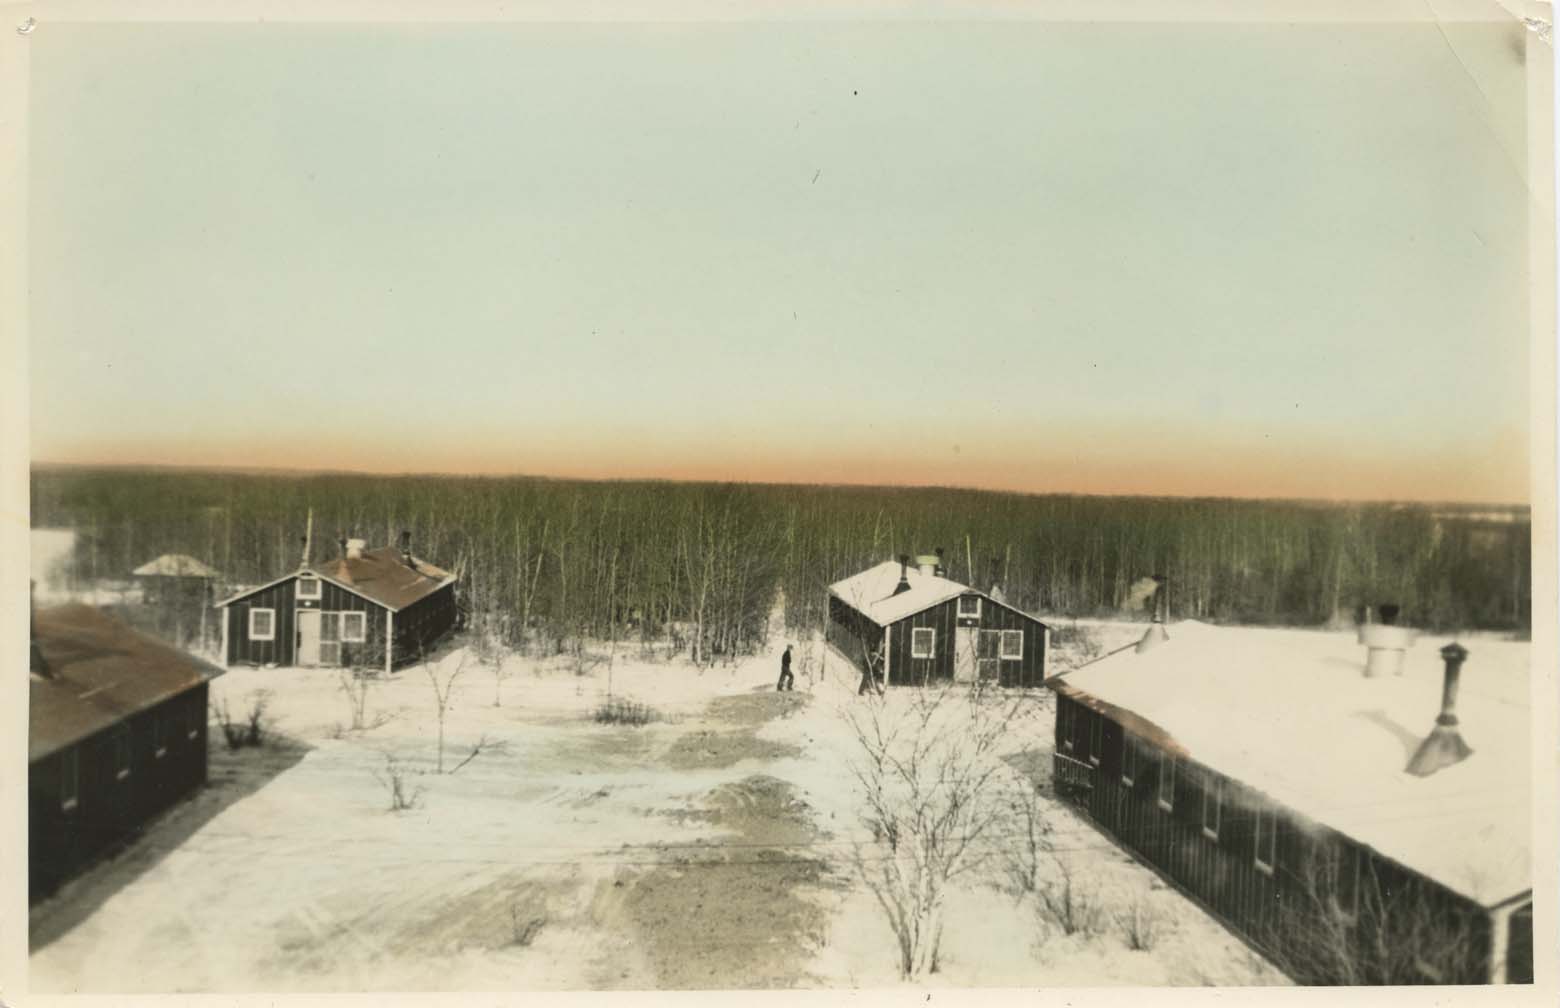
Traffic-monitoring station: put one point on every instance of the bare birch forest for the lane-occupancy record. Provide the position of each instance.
(547, 564)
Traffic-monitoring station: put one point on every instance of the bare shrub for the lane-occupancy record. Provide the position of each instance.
(1141, 922)
(930, 779)
(393, 778)
(625, 712)
(1025, 852)
(1069, 903)
(248, 731)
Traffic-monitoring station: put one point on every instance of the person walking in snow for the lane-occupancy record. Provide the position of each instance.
(787, 681)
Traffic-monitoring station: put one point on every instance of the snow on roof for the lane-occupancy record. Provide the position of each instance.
(1290, 713)
(872, 592)
(174, 565)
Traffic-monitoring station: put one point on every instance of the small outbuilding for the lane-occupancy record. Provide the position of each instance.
(116, 733)
(369, 608)
(911, 625)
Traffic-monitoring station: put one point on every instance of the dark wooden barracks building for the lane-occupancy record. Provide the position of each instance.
(116, 734)
(375, 608)
(912, 626)
(1347, 809)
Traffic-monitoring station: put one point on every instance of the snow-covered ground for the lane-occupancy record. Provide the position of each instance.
(707, 849)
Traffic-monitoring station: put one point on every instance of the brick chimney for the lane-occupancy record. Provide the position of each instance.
(1444, 745)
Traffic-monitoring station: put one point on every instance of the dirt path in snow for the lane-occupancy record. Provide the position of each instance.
(741, 911)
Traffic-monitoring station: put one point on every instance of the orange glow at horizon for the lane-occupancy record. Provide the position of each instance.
(1099, 466)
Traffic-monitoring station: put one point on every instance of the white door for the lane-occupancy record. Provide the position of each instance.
(308, 636)
(964, 654)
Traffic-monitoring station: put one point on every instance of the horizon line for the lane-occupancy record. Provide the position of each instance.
(301, 471)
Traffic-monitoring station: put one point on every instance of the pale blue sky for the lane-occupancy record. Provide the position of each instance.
(1230, 259)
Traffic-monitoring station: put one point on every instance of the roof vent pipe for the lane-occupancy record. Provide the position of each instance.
(355, 549)
(904, 574)
(406, 547)
(926, 564)
(1444, 745)
(1386, 643)
(940, 570)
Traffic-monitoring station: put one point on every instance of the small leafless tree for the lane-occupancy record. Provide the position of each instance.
(402, 795)
(355, 685)
(930, 778)
(1023, 855)
(442, 676)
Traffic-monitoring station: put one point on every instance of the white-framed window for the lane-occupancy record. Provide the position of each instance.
(70, 778)
(923, 642)
(1012, 643)
(1129, 758)
(1265, 836)
(160, 736)
(262, 624)
(969, 606)
(354, 627)
(1212, 799)
(1096, 738)
(1064, 723)
(1167, 782)
(308, 587)
(121, 747)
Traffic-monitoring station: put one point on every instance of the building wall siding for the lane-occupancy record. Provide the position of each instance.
(242, 650)
(944, 619)
(420, 625)
(851, 633)
(109, 809)
(1267, 909)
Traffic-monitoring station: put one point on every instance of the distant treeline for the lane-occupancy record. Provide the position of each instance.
(544, 563)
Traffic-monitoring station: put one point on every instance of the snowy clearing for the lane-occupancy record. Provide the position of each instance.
(710, 848)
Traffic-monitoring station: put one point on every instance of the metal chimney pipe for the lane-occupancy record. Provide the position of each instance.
(1155, 634)
(904, 574)
(1444, 745)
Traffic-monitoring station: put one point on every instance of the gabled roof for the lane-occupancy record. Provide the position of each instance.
(1290, 714)
(872, 592)
(380, 575)
(174, 565)
(99, 672)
